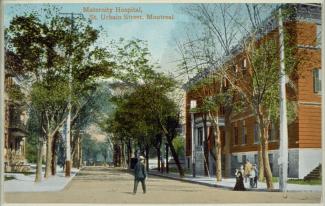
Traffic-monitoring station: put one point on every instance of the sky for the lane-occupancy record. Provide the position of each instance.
(160, 34)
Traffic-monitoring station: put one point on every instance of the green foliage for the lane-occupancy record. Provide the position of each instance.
(31, 149)
(144, 103)
(103, 148)
(132, 61)
(179, 145)
(45, 95)
(305, 182)
(7, 178)
(50, 52)
(33, 128)
(15, 94)
(90, 148)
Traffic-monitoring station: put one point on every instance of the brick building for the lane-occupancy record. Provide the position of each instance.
(304, 133)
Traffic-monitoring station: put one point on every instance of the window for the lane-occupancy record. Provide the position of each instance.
(256, 134)
(317, 81)
(244, 132)
(200, 136)
(244, 158)
(235, 135)
(255, 158)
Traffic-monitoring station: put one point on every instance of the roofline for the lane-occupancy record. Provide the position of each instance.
(263, 29)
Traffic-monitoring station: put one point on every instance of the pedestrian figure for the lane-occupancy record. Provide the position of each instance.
(256, 175)
(252, 178)
(140, 175)
(242, 169)
(239, 186)
(247, 170)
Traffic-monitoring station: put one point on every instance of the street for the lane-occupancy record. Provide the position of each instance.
(113, 185)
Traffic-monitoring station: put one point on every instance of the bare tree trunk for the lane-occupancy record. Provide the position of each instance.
(38, 175)
(265, 156)
(123, 155)
(175, 156)
(129, 153)
(217, 145)
(260, 164)
(54, 154)
(206, 153)
(158, 157)
(48, 170)
(147, 157)
(80, 157)
(75, 150)
(218, 154)
(77, 162)
(227, 147)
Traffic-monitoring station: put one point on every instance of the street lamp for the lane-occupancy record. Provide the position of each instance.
(192, 107)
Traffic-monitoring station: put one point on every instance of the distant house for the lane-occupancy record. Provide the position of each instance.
(15, 130)
(304, 133)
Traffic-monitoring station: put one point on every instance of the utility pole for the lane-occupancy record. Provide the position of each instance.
(283, 160)
(2, 102)
(68, 123)
(193, 106)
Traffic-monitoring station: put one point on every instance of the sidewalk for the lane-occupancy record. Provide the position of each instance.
(25, 183)
(229, 183)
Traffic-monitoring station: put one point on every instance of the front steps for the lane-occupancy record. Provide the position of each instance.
(315, 173)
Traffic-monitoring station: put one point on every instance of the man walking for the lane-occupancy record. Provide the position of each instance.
(139, 175)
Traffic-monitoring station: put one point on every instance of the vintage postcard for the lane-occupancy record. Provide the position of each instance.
(161, 102)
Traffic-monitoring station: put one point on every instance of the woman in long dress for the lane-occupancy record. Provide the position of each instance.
(239, 181)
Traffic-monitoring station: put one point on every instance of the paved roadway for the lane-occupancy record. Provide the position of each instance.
(108, 185)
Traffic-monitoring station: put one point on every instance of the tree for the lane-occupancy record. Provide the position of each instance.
(145, 112)
(104, 151)
(255, 82)
(202, 53)
(48, 50)
(178, 143)
(90, 149)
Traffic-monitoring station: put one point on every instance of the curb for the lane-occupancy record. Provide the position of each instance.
(209, 184)
(190, 181)
(69, 180)
(42, 186)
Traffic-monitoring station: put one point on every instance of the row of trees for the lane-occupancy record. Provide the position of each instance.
(146, 114)
(239, 73)
(58, 63)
